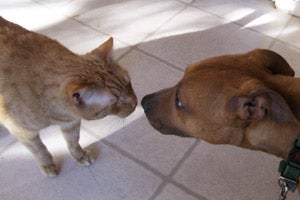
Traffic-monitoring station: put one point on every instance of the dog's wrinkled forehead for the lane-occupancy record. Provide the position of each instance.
(211, 87)
(214, 78)
(204, 91)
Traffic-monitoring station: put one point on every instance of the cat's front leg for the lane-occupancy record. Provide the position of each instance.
(71, 134)
(34, 144)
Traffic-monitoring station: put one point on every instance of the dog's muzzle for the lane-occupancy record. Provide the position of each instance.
(149, 104)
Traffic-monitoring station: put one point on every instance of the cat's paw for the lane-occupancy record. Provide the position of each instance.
(49, 170)
(86, 159)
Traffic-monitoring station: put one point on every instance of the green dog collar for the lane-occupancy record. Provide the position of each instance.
(289, 171)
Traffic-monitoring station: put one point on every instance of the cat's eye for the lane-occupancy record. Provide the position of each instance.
(76, 95)
(76, 98)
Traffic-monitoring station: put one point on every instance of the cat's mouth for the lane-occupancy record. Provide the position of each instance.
(121, 108)
(101, 114)
(125, 106)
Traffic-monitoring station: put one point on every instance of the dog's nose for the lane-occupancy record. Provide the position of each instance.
(146, 104)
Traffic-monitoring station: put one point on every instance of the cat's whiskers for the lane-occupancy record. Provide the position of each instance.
(117, 122)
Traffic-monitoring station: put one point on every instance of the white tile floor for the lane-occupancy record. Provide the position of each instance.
(154, 41)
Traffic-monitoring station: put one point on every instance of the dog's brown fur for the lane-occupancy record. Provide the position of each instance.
(249, 100)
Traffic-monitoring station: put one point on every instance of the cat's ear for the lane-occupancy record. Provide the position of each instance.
(91, 95)
(104, 51)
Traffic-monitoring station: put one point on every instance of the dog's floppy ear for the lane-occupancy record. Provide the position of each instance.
(271, 61)
(261, 104)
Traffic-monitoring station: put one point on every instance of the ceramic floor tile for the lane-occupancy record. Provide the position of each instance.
(149, 74)
(171, 192)
(188, 20)
(80, 38)
(218, 3)
(69, 8)
(296, 8)
(258, 15)
(18, 162)
(29, 14)
(200, 36)
(5, 139)
(76, 185)
(140, 140)
(110, 124)
(77, 37)
(235, 9)
(120, 178)
(112, 177)
(129, 21)
(270, 23)
(186, 1)
(133, 157)
(291, 54)
(291, 32)
(227, 172)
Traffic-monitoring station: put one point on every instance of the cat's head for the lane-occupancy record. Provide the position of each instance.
(102, 88)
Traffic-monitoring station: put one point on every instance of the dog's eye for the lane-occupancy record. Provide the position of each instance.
(178, 103)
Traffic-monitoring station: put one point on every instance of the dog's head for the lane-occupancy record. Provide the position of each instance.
(218, 98)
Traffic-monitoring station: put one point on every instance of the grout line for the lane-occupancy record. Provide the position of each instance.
(165, 179)
(186, 2)
(286, 44)
(185, 156)
(272, 43)
(80, 22)
(161, 60)
(279, 34)
(284, 27)
(187, 190)
(164, 23)
(126, 53)
(227, 21)
(124, 153)
(150, 55)
(276, 39)
(89, 132)
(5, 147)
(131, 47)
(135, 47)
(131, 157)
(168, 179)
(92, 28)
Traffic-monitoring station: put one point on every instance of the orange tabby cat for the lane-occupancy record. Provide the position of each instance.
(42, 83)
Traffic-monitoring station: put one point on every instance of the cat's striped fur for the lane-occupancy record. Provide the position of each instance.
(42, 83)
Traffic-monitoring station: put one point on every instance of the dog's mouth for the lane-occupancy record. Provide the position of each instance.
(158, 122)
(166, 130)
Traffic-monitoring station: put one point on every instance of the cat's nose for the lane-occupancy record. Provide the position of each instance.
(133, 102)
(130, 101)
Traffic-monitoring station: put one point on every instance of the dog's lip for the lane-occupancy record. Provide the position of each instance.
(158, 125)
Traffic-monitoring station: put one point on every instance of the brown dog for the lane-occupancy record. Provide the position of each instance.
(249, 100)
